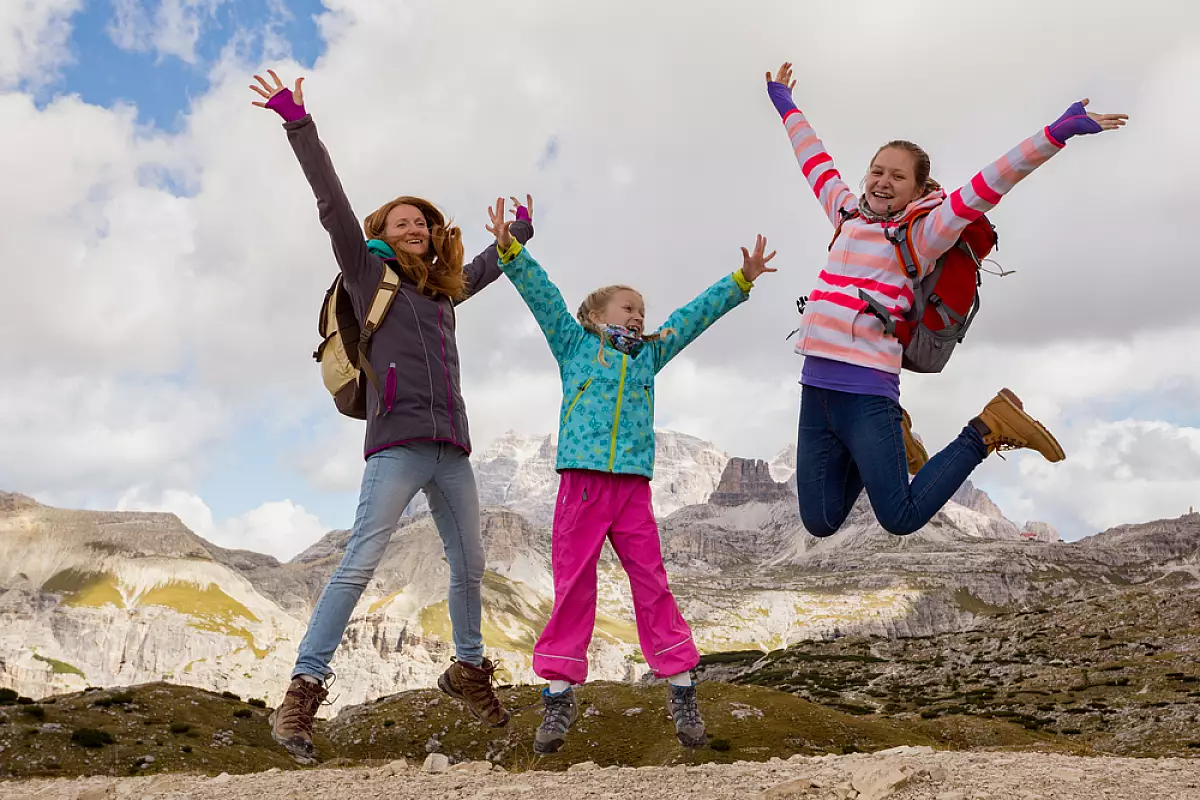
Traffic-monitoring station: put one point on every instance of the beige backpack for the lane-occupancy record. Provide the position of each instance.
(342, 353)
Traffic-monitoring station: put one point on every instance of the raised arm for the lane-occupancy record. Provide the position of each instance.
(562, 331)
(689, 321)
(826, 182)
(337, 217)
(485, 267)
(936, 233)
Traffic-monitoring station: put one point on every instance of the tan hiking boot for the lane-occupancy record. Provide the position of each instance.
(292, 722)
(914, 451)
(1010, 428)
(473, 686)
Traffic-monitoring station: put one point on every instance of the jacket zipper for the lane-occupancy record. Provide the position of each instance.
(389, 387)
(649, 403)
(578, 395)
(612, 453)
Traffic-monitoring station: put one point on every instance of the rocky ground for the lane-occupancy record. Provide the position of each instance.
(905, 773)
(1115, 672)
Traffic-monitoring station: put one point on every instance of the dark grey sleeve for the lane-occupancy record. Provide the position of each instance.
(337, 217)
(485, 267)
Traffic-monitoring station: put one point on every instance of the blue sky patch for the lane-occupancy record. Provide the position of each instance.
(161, 86)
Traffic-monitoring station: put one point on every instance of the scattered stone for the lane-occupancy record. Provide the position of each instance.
(743, 711)
(956, 795)
(433, 745)
(393, 768)
(472, 767)
(1067, 774)
(792, 788)
(591, 711)
(221, 779)
(878, 781)
(436, 763)
(629, 712)
(584, 766)
(906, 750)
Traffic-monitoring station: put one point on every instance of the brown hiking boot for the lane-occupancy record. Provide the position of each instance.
(914, 451)
(292, 722)
(473, 686)
(1010, 428)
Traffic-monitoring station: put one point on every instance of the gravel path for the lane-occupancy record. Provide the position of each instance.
(905, 773)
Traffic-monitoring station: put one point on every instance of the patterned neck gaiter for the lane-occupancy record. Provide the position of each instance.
(624, 339)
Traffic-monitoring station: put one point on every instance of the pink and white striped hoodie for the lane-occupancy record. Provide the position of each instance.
(834, 324)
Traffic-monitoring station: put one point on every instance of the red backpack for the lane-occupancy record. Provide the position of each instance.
(945, 301)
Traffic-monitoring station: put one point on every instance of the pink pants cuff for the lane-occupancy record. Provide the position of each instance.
(593, 506)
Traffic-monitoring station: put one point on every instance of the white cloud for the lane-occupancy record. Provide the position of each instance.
(172, 28)
(164, 323)
(34, 36)
(277, 528)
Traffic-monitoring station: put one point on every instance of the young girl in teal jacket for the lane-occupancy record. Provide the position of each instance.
(605, 462)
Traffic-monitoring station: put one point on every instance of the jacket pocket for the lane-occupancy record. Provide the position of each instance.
(649, 403)
(575, 400)
(389, 388)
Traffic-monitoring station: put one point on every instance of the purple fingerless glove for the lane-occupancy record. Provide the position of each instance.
(522, 213)
(781, 97)
(1074, 121)
(283, 104)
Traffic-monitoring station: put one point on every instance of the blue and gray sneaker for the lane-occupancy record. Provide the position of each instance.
(559, 713)
(689, 726)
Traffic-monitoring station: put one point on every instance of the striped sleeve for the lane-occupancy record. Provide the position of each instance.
(936, 233)
(832, 192)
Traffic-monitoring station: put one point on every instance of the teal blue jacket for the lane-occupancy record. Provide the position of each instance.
(606, 422)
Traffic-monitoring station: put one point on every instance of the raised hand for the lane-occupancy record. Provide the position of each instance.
(499, 225)
(755, 264)
(1077, 120)
(523, 211)
(783, 75)
(287, 103)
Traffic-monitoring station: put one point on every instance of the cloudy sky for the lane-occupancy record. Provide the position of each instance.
(162, 262)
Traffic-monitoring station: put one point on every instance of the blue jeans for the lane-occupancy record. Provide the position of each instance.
(848, 441)
(391, 479)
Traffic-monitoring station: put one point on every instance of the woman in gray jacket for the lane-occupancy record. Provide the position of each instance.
(417, 437)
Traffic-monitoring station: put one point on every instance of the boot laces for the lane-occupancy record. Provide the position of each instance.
(477, 686)
(557, 711)
(683, 706)
(305, 698)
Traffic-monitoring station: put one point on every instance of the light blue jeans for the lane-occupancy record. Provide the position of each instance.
(391, 479)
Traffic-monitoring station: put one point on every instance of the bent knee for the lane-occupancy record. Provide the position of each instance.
(818, 526)
(900, 525)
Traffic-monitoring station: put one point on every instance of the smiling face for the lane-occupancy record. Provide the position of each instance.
(626, 308)
(406, 229)
(891, 181)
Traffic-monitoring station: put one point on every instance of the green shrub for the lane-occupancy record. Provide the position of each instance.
(180, 727)
(91, 738)
(257, 702)
(37, 712)
(243, 713)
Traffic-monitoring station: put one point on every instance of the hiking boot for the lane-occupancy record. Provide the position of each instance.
(1008, 427)
(292, 723)
(559, 713)
(473, 686)
(914, 451)
(689, 727)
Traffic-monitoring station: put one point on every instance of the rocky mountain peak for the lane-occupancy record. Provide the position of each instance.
(748, 480)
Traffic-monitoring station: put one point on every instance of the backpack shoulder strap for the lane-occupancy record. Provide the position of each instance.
(381, 301)
(845, 217)
(901, 239)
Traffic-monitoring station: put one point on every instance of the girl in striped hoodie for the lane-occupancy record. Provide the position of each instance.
(852, 431)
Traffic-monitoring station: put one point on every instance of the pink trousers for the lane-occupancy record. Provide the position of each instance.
(593, 506)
